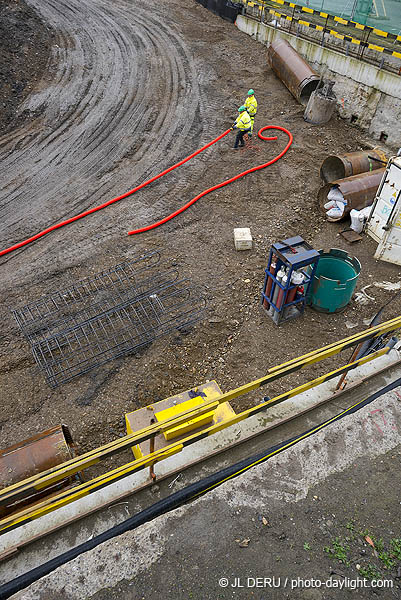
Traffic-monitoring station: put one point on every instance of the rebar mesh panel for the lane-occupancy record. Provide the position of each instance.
(113, 316)
(108, 287)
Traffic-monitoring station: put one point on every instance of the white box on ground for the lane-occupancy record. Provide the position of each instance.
(243, 238)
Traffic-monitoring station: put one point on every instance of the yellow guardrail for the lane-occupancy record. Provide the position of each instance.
(42, 480)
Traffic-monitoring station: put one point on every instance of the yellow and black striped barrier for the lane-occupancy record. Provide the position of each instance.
(340, 20)
(42, 480)
(347, 38)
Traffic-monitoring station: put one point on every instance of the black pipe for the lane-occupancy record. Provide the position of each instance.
(366, 347)
(177, 499)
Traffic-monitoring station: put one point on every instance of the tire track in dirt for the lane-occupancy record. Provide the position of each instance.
(118, 75)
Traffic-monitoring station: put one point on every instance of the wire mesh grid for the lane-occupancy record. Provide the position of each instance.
(116, 313)
(87, 296)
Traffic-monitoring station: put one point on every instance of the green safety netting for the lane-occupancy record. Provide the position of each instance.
(381, 14)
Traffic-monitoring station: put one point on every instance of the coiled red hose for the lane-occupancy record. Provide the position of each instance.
(223, 183)
(145, 183)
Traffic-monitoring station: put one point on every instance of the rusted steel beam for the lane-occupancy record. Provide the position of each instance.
(340, 166)
(359, 190)
(293, 70)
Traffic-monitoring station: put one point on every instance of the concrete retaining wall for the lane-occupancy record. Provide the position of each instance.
(367, 96)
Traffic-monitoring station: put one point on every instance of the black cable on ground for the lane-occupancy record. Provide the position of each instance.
(177, 499)
(366, 347)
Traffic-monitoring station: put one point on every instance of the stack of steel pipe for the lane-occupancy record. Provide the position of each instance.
(355, 175)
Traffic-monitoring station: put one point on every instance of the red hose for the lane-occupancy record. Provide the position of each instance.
(96, 208)
(223, 183)
(142, 185)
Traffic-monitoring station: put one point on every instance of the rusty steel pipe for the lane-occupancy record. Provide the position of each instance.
(340, 166)
(293, 70)
(34, 455)
(359, 190)
(342, 383)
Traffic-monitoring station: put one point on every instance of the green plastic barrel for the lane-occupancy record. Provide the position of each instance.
(334, 281)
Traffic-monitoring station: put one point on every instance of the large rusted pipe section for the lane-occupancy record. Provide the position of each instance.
(359, 190)
(293, 70)
(340, 166)
(34, 455)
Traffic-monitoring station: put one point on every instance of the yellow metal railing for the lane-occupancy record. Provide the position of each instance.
(42, 480)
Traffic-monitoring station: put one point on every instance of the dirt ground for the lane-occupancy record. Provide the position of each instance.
(128, 90)
(24, 50)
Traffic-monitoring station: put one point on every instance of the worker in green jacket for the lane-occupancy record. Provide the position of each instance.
(251, 105)
(243, 124)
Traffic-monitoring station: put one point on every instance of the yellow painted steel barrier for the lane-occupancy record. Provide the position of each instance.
(42, 480)
(68, 496)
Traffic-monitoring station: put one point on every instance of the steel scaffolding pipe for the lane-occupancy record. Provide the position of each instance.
(340, 166)
(293, 70)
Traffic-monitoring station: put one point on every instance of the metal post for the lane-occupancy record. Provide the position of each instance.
(341, 384)
(324, 30)
(151, 450)
(364, 43)
(292, 19)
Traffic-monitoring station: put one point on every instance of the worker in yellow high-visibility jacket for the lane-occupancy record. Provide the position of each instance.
(243, 124)
(251, 105)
